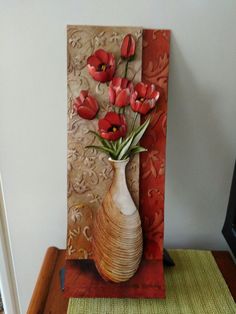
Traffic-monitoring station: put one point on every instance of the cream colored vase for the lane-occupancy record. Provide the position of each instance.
(117, 233)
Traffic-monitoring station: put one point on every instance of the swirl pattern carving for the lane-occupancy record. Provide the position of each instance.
(152, 173)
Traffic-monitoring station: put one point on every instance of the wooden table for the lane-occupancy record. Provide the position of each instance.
(48, 297)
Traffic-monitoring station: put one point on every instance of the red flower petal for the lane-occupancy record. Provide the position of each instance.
(123, 98)
(93, 61)
(136, 105)
(132, 46)
(99, 76)
(123, 128)
(124, 46)
(110, 73)
(134, 96)
(123, 131)
(104, 125)
(113, 118)
(91, 103)
(141, 89)
(128, 46)
(77, 102)
(83, 94)
(155, 95)
(102, 55)
(85, 112)
(116, 135)
(116, 81)
(111, 136)
(150, 89)
(146, 107)
(145, 110)
(112, 94)
(130, 86)
(150, 102)
(111, 60)
(124, 83)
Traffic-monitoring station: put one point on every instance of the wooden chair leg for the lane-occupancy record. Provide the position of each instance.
(41, 289)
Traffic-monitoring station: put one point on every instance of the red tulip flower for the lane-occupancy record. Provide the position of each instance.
(86, 106)
(101, 65)
(144, 98)
(113, 126)
(128, 47)
(120, 90)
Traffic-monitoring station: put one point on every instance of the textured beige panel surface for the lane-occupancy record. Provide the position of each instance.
(89, 171)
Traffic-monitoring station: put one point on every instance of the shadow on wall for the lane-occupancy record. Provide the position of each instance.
(199, 156)
(1, 304)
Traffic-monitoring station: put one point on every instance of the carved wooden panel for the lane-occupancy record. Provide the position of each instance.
(155, 68)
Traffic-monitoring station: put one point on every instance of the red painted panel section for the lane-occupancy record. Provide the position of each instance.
(83, 280)
(156, 45)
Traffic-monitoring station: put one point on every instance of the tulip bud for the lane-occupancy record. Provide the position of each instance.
(86, 106)
(128, 47)
(120, 90)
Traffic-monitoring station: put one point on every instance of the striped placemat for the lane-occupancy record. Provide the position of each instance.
(194, 286)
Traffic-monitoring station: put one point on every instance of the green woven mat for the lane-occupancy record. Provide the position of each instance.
(194, 285)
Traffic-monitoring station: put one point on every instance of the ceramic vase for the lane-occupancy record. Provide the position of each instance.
(117, 231)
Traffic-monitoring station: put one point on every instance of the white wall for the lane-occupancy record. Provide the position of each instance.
(201, 133)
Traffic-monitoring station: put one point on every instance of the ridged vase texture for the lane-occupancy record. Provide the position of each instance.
(117, 231)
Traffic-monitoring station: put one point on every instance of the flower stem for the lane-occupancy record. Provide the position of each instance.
(126, 68)
(134, 120)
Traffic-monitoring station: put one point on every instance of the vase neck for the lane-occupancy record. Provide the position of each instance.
(119, 167)
(119, 189)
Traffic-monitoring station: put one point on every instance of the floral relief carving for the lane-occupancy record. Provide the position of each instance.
(150, 164)
(153, 233)
(79, 221)
(89, 172)
(152, 172)
(156, 68)
(159, 72)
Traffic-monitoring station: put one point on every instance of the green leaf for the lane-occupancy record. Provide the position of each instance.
(102, 140)
(124, 143)
(138, 133)
(125, 148)
(113, 144)
(119, 141)
(102, 149)
(135, 150)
